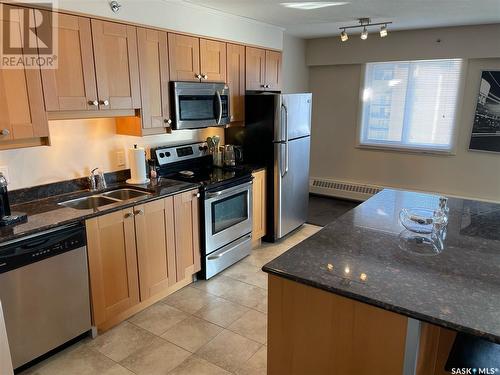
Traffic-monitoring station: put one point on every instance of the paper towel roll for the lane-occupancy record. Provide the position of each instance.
(137, 160)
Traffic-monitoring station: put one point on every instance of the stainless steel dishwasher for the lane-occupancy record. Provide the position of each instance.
(44, 290)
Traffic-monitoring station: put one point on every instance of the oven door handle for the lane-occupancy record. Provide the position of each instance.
(231, 190)
(219, 100)
(220, 255)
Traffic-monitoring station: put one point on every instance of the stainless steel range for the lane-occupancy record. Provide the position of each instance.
(226, 203)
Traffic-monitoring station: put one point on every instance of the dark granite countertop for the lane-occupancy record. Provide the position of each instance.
(458, 288)
(46, 213)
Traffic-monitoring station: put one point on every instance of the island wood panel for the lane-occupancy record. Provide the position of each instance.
(273, 70)
(154, 77)
(22, 110)
(154, 225)
(311, 331)
(112, 264)
(236, 81)
(213, 60)
(184, 55)
(434, 349)
(187, 232)
(258, 205)
(72, 86)
(116, 64)
(255, 68)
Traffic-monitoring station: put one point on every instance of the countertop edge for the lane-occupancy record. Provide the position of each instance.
(389, 307)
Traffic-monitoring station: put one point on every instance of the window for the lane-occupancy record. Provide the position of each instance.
(410, 104)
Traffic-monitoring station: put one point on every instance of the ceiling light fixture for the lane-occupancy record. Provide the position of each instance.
(365, 23)
(312, 5)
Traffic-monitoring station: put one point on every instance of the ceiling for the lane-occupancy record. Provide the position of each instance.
(405, 14)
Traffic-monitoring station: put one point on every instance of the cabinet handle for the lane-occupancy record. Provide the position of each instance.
(263, 86)
(138, 212)
(127, 215)
(198, 76)
(167, 121)
(205, 76)
(93, 102)
(5, 132)
(104, 102)
(267, 86)
(196, 195)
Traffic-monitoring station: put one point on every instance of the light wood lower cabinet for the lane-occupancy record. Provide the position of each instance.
(259, 205)
(139, 255)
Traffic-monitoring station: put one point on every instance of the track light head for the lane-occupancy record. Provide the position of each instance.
(364, 34)
(344, 36)
(383, 31)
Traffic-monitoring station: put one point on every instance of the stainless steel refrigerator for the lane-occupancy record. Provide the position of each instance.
(277, 135)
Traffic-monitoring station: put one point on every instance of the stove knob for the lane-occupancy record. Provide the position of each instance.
(162, 155)
(167, 154)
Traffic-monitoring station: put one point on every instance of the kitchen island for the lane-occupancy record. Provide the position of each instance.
(361, 296)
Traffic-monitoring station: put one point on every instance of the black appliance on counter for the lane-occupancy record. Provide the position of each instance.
(225, 202)
(6, 216)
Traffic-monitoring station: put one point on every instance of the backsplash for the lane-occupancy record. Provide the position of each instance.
(78, 146)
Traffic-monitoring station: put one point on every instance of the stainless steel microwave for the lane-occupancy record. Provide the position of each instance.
(200, 104)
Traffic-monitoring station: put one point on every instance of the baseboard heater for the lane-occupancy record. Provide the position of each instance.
(342, 189)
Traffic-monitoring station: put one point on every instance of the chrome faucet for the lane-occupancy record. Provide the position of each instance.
(96, 180)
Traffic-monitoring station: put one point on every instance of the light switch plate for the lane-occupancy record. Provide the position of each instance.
(120, 158)
(5, 171)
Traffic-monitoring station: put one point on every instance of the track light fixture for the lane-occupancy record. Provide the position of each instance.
(365, 23)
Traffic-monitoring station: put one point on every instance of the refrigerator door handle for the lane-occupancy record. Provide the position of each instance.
(286, 139)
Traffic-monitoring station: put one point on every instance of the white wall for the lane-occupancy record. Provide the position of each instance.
(335, 90)
(295, 71)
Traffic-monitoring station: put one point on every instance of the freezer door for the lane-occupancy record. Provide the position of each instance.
(291, 175)
(293, 116)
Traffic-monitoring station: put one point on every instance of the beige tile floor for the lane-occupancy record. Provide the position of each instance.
(208, 328)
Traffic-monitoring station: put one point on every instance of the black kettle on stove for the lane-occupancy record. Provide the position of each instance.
(6, 216)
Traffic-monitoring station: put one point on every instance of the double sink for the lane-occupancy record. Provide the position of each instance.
(103, 199)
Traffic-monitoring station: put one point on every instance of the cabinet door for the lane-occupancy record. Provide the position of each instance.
(112, 264)
(154, 77)
(22, 111)
(255, 68)
(184, 55)
(116, 64)
(273, 70)
(187, 241)
(213, 60)
(154, 225)
(72, 86)
(259, 205)
(236, 81)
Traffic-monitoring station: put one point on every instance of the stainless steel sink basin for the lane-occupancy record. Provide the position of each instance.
(86, 203)
(125, 194)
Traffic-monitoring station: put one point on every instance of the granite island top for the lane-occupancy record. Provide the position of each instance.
(44, 214)
(458, 288)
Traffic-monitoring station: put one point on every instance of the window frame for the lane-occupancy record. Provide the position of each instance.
(396, 146)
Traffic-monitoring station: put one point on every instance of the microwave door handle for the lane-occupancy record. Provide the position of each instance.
(219, 100)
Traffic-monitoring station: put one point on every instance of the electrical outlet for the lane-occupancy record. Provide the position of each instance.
(120, 158)
(5, 171)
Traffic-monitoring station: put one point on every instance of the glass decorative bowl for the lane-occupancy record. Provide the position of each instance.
(418, 220)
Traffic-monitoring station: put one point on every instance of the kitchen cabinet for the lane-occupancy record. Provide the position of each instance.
(212, 60)
(139, 255)
(154, 225)
(72, 86)
(23, 120)
(259, 205)
(187, 233)
(184, 55)
(154, 80)
(263, 69)
(112, 258)
(236, 81)
(116, 65)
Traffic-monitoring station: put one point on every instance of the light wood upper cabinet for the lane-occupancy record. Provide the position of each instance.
(273, 70)
(255, 68)
(22, 111)
(184, 54)
(187, 242)
(259, 205)
(263, 69)
(212, 60)
(116, 64)
(112, 264)
(236, 81)
(154, 224)
(72, 86)
(154, 78)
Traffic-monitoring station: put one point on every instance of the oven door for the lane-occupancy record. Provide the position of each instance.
(228, 215)
(200, 105)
